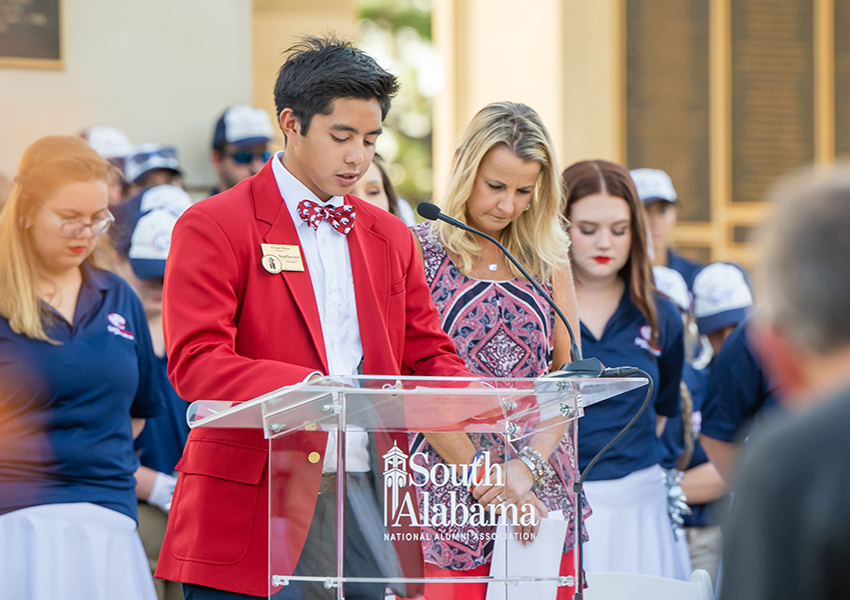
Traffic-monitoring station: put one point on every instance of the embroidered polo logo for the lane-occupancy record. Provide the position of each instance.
(643, 341)
(118, 326)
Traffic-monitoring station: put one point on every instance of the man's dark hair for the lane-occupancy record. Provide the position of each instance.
(318, 70)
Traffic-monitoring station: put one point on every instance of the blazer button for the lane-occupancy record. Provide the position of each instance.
(314, 457)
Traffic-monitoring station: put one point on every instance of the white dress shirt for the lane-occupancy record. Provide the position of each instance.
(329, 264)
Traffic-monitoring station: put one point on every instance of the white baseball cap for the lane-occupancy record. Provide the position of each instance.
(244, 126)
(721, 297)
(672, 284)
(653, 184)
(147, 157)
(109, 142)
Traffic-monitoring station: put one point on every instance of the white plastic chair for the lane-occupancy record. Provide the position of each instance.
(629, 586)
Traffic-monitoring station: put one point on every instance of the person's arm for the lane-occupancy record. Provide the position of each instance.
(723, 455)
(660, 424)
(668, 403)
(138, 425)
(703, 484)
(564, 294)
(154, 487)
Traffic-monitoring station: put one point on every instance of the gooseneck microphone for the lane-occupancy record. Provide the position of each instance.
(579, 367)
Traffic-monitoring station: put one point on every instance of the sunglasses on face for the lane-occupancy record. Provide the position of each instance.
(246, 157)
(73, 228)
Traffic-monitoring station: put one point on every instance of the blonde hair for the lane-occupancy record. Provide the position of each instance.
(537, 238)
(46, 166)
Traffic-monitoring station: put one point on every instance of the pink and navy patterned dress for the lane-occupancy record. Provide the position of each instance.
(500, 329)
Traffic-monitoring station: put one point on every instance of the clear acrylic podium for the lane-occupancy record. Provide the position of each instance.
(394, 501)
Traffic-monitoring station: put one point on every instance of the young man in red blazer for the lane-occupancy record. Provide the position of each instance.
(240, 322)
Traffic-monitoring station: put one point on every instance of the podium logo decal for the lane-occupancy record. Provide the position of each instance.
(403, 473)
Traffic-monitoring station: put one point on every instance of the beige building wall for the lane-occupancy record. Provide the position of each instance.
(561, 57)
(277, 25)
(160, 70)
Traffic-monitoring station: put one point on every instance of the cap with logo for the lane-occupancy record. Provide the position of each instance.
(722, 297)
(109, 142)
(243, 126)
(144, 225)
(146, 157)
(672, 284)
(653, 185)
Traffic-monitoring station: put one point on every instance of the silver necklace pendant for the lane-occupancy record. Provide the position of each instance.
(493, 267)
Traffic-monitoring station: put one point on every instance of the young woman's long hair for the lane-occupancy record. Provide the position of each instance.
(537, 238)
(589, 177)
(46, 166)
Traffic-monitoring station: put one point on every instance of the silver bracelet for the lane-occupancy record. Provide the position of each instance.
(539, 470)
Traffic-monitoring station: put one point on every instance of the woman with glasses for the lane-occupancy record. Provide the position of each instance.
(77, 378)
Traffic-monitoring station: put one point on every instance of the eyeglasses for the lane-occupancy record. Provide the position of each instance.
(246, 157)
(73, 228)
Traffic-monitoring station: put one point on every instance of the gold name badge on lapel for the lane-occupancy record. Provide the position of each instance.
(281, 257)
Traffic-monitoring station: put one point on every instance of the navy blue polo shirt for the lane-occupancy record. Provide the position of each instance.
(686, 268)
(625, 342)
(65, 409)
(697, 382)
(161, 442)
(737, 390)
(673, 438)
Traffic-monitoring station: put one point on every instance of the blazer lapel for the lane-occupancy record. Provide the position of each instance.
(370, 267)
(270, 208)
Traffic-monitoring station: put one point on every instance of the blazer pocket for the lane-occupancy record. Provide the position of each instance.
(217, 478)
(399, 286)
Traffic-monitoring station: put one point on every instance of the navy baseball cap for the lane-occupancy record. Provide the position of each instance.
(244, 126)
(143, 228)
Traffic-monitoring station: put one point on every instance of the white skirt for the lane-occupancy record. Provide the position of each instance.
(75, 551)
(630, 530)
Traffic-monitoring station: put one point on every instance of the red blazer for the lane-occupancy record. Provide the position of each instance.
(234, 332)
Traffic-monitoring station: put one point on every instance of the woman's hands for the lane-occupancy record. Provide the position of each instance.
(528, 533)
(517, 480)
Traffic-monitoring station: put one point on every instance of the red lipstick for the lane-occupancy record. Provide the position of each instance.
(602, 259)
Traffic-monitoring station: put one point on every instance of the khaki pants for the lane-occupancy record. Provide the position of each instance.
(704, 545)
(152, 523)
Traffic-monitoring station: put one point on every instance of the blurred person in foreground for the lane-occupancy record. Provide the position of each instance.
(788, 535)
(143, 229)
(240, 145)
(77, 380)
(150, 165)
(656, 190)
(504, 181)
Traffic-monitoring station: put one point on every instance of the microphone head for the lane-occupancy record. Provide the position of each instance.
(429, 211)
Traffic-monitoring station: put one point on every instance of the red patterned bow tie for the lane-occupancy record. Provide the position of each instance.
(341, 218)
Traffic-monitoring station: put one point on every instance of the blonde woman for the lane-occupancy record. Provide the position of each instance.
(76, 364)
(505, 182)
